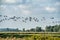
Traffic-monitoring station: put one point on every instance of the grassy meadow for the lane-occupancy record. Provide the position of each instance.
(30, 36)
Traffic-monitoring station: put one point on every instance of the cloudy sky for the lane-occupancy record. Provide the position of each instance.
(30, 8)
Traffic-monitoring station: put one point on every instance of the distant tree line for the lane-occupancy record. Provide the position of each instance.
(55, 28)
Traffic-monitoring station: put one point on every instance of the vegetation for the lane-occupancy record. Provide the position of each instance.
(50, 33)
(30, 36)
(55, 28)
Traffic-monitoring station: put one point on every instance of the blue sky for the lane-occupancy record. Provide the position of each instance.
(30, 8)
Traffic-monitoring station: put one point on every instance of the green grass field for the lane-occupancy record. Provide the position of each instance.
(29, 35)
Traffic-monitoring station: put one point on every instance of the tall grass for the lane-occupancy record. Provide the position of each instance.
(32, 36)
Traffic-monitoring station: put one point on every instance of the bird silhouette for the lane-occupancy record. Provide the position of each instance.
(35, 19)
(14, 18)
(43, 19)
(5, 16)
(0, 15)
(52, 18)
(30, 18)
(0, 20)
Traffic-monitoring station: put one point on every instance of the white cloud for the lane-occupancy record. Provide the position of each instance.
(3, 6)
(50, 9)
(26, 12)
(24, 9)
(22, 6)
(9, 1)
(57, 3)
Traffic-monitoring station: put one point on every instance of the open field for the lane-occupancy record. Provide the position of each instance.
(29, 35)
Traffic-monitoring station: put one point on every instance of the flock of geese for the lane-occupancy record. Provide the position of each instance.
(23, 19)
(14, 18)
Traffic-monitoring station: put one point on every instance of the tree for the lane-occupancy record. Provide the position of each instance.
(38, 29)
(49, 28)
(32, 29)
(23, 29)
(55, 28)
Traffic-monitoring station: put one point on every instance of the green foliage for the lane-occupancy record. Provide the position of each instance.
(32, 37)
(39, 37)
(55, 28)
